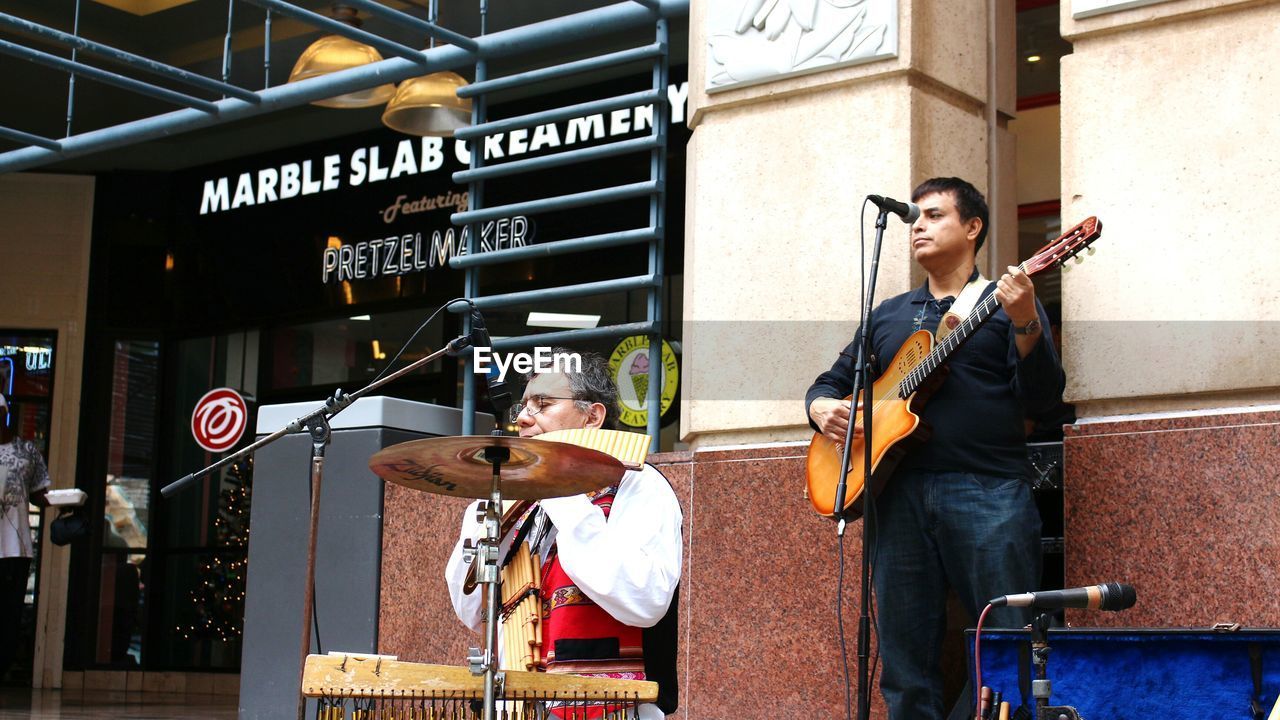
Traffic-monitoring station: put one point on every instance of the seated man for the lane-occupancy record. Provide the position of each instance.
(611, 558)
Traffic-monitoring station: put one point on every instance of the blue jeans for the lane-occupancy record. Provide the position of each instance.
(977, 534)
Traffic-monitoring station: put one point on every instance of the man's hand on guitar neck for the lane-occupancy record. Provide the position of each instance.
(1017, 295)
(831, 415)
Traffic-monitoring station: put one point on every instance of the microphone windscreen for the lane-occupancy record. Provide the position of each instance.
(913, 213)
(1118, 596)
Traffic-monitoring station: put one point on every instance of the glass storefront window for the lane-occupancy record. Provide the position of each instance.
(352, 351)
(126, 501)
(199, 605)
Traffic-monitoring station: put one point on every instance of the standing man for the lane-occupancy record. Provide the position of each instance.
(611, 558)
(957, 512)
(23, 478)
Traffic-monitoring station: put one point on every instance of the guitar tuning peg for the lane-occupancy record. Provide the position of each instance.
(1092, 250)
(1066, 267)
(1079, 259)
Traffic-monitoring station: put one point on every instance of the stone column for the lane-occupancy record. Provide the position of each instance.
(1170, 137)
(45, 227)
(777, 171)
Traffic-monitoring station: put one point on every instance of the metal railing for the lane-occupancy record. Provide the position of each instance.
(651, 281)
(236, 103)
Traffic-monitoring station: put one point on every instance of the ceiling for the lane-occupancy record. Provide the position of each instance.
(192, 35)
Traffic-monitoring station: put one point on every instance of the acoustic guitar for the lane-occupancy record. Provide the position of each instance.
(907, 382)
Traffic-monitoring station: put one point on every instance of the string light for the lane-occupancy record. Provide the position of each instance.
(218, 595)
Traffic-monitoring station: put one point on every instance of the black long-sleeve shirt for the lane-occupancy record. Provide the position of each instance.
(977, 414)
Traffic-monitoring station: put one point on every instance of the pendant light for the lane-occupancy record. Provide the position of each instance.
(429, 105)
(332, 53)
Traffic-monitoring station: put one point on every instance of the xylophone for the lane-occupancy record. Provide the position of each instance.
(374, 687)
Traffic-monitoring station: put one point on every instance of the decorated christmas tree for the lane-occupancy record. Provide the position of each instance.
(218, 596)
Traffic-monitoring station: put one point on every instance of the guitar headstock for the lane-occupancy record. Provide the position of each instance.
(1067, 246)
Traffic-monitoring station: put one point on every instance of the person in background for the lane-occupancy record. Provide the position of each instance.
(24, 479)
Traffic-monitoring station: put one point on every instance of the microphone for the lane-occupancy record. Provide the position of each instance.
(1107, 596)
(909, 212)
(499, 393)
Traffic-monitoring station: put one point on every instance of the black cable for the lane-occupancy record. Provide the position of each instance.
(421, 327)
(844, 648)
(315, 615)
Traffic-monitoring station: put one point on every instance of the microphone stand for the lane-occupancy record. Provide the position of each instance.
(860, 384)
(317, 424)
(1041, 686)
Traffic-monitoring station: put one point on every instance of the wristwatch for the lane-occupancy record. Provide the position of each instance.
(1028, 329)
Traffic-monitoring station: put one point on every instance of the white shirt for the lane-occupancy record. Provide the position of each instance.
(22, 472)
(629, 565)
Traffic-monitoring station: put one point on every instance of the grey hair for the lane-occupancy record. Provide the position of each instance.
(592, 383)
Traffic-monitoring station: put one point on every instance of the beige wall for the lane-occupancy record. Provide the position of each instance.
(45, 224)
(776, 177)
(1171, 139)
(1039, 155)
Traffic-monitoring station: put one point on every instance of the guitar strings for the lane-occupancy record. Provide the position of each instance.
(937, 350)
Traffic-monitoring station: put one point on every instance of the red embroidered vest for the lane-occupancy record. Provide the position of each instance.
(578, 636)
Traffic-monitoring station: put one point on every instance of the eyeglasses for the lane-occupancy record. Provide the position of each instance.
(534, 405)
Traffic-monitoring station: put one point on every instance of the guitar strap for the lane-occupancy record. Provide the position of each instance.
(963, 305)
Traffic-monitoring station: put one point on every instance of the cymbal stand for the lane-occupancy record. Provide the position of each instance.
(486, 662)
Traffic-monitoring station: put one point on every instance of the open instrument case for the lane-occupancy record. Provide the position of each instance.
(1141, 673)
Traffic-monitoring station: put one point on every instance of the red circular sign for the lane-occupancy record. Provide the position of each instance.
(219, 419)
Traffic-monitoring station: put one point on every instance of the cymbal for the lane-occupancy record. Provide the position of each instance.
(456, 466)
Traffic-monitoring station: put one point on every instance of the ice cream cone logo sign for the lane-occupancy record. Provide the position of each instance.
(219, 419)
(629, 365)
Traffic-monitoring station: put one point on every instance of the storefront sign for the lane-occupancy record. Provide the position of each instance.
(399, 255)
(409, 157)
(219, 419)
(629, 366)
(367, 218)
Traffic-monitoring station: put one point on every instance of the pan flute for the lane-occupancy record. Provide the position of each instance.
(628, 448)
(371, 687)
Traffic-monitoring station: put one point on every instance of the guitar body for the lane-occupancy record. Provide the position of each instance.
(895, 428)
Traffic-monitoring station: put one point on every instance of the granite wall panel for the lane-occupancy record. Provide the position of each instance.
(1186, 509)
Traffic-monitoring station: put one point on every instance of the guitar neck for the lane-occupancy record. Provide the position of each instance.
(943, 350)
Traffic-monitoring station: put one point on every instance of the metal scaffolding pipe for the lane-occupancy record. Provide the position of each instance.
(565, 292)
(409, 21)
(576, 67)
(536, 36)
(28, 139)
(556, 247)
(105, 76)
(569, 337)
(559, 202)
(127, 58)
(568, 157)
(635, 99)
(387, 47)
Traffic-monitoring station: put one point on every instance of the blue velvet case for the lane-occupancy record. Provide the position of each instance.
(1140, 673)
